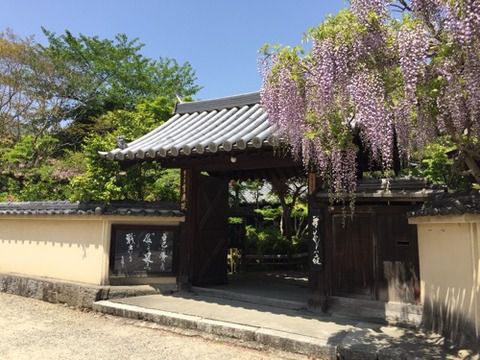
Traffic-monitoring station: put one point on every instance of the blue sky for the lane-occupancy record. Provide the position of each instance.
(220, 38)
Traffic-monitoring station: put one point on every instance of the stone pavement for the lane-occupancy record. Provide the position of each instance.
(323, 337)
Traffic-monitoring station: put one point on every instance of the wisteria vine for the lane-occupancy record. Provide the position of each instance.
(384, 77)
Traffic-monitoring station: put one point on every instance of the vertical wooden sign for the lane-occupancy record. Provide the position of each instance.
(316, 240)
(183, 189)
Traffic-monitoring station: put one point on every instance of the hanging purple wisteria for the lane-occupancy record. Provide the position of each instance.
(388, 78)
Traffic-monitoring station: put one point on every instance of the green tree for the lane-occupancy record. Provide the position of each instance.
(29, 172)
(102, 75)
(29, 85)
(437, 163)
(62, 102)
(283, 207)
(291, 194)
(108, 180)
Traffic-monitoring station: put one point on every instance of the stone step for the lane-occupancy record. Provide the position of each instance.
(319, 338)
(280, 340)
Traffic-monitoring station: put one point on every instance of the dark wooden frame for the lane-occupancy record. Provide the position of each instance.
(252, 163)
(176, 240)
(269, 163)
(322, 282)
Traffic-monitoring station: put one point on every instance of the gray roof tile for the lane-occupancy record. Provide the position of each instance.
(450, 204)
(89, 208)
(209, 126)
(217, 104)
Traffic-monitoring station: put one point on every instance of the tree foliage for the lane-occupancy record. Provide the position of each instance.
(398, 73)
(102, 75)
(108, 180)
(281, 204)
(437, 164)
(62, 102)
(28, 84)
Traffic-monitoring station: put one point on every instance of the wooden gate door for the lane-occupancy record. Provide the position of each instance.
(211, 224)
(353, 256)
(398, 265)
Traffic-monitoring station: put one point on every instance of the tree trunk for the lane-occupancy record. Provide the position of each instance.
(286, 226)
(281, 189)
(473, 167)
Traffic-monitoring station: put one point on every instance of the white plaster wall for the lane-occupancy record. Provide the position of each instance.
(66, 248)
(72, 248)
(449, 269)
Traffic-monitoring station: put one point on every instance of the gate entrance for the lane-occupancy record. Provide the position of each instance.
(373, 255)
(211, 231)
(211, 251)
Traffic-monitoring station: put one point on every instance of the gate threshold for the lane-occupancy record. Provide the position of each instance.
(392, 313)
(249, 298)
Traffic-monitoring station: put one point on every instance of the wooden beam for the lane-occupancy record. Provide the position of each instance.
(233, 161)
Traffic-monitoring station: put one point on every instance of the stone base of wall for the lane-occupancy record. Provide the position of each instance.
(403, 314)
(71, 293)
(392, 313)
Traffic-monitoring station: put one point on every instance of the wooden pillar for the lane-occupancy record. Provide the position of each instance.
(188, 196)
(318, 249)
(183, 188)
(312, 183)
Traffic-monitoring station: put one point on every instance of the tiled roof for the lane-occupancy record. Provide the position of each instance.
(89, 208)
(395, 189)
(396, 184)
(450, 204)
(210, 126)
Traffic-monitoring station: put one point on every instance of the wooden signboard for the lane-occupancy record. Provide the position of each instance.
(142, 250)
(316, 240)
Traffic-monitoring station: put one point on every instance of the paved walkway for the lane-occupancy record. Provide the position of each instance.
(291, 330)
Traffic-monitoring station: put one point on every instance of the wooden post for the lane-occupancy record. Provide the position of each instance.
(312, 183)
(183, 189)
(318, 249)
(186, 248)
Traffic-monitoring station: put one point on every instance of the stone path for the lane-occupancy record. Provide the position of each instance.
(289, 330)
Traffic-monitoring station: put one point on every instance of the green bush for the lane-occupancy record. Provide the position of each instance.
(439, 164)
(267, 240)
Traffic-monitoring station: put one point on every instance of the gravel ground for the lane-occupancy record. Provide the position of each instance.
(33, 329)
